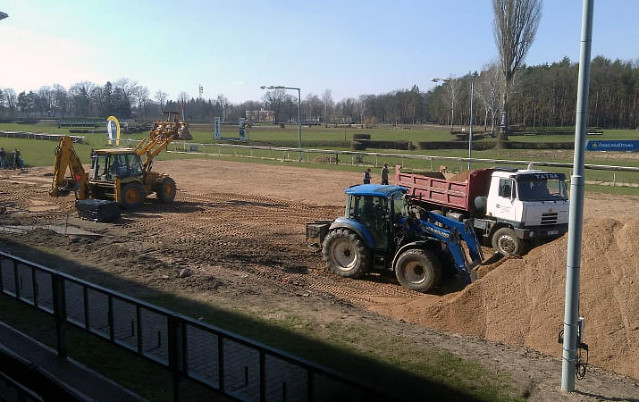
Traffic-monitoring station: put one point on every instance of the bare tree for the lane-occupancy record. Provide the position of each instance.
(44, 101)
(275, 100)
(141, 95)
(161, 96)
(182, 98)
(488, 92)
(362, 109)
(311, 104)
(515, 26)
(222, 103)
(327, 100)
(11, 98)
(453, 87)
(129, 88)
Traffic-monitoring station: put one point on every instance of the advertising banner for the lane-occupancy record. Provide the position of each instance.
(617, 145)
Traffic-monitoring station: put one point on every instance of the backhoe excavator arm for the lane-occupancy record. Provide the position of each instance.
(66, 158)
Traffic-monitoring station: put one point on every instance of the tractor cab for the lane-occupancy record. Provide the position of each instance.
(120, 163)
(375, 207)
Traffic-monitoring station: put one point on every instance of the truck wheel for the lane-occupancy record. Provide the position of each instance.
(346, 254)
(132, 195)
(506, 242)
(418, 270)
(166, 191)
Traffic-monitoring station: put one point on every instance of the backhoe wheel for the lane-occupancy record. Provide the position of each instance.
(166, 191)
(346, 254)
(132, 195)
(506, 242)
(418, 270)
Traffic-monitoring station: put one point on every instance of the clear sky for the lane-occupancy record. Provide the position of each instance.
(233, 47)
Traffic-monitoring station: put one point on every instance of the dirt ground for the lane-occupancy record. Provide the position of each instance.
(239, 228)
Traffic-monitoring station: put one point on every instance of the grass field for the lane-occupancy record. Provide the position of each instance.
(41, 152)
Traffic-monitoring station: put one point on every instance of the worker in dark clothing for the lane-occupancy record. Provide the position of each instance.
(367, 176)
(3, 158)
(17, 160)
(385, 174)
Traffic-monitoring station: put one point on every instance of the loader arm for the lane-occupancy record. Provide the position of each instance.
(66, 158)
(454, 234)
(160, 136)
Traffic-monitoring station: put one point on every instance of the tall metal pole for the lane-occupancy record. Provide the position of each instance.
(575, 225)
(299, 122)
(470, 131)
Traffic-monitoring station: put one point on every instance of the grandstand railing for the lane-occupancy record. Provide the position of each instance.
(229, 363)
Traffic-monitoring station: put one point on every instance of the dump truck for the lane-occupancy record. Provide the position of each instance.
(381, 231)
(120, 175)
(510, 209)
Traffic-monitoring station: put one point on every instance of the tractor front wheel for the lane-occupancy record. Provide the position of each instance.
(418, 270)
(346, 254)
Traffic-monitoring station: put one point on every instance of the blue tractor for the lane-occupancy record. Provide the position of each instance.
(382, 230)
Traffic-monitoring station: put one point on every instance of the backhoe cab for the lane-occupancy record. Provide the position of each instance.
(122, 175)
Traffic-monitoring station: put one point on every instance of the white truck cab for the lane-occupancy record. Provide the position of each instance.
(532, 203)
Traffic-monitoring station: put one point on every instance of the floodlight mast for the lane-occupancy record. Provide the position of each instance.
(575, 214)
(299, 113)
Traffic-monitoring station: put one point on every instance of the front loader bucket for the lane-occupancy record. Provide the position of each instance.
(183, 132)
(474, 267)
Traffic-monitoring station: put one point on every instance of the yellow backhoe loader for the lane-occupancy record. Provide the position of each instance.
(122, 175)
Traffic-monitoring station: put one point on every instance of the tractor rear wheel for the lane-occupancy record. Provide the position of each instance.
(418, 270)
(132, 195)
(506, 242)
(346, 254)
(167, 190)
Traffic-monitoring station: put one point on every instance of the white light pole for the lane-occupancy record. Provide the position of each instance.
(572, 328)
(299, 113)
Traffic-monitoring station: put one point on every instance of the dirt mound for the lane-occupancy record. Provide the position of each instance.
(461, 176)
(521, 301)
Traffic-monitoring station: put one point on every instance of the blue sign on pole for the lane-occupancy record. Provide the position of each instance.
(216, 129)
(619, 146)
(242, 126)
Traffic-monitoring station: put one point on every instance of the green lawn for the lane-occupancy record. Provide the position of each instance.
(41, 152)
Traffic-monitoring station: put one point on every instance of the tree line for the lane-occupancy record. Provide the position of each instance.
(540, 96)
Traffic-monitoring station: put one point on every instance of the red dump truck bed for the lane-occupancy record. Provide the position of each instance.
(458, 195)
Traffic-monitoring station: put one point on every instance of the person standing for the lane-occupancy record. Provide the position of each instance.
(385, 174)
(367, 176)
(3, 157)
(17, 160)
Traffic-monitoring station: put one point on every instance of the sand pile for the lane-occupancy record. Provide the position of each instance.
(521, 301)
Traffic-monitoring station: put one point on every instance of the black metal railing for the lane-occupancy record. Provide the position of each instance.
(234, 365)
